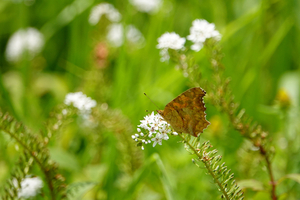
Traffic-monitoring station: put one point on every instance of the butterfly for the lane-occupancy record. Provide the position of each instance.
(186, 113)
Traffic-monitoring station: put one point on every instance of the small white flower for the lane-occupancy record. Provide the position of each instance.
(151, 131)
(200, 31)
(164, 55)
(142, 147)
(143, 141)
(133, 137)
(136, 140)
(28, 40)
(169, 41)
(115, 35)
(157, 139)
(142, 134)
(64, 111)
(175, 133)
(155, 125)
(80, 101)
(133, 35)
(149, 141)
(148, 119)
(165, 136)
(144, 125)
(148, 6)
(137, 135)
(138, 130)
(104, 9)
(30, 187)
(197, 46)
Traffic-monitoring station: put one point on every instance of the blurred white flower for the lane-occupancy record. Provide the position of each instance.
(80, 101)
(164, 55)
(28, 40)
(169, 41)
(148, 6)
(115, 35)
(30, 187)
(200, 31)
(104, 9)
(133, 35)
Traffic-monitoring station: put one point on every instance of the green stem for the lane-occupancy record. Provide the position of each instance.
(269, 167)
(210, 171)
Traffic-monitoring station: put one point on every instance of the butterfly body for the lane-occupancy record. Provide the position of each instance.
(186, 113)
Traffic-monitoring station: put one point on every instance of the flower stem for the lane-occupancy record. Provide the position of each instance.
(210, 171)
(270, 171)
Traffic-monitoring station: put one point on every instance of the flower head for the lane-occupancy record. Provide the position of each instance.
(153, 127)
(148, 6)
(200, 31)
(30, 187)
(104, 9)
(80, 101)
(115, 35)
(169, 41)
(29, 39)
(133, 35)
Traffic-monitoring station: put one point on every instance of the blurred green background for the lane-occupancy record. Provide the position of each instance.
(261, 45)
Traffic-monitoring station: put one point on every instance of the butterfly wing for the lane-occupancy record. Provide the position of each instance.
(186, 113)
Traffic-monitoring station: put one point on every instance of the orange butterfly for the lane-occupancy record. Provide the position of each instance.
(186, 113)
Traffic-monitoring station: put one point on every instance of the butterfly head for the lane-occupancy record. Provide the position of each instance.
(161, 112)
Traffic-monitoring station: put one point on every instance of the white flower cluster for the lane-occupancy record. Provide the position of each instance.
(115, 35)
(200, 31)
(155, 129)
(148, 6)
(169, 41)
(104, 9)
(80, 101)
(29, 39)
(30, 187)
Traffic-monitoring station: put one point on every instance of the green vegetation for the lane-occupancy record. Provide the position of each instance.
(251, 78)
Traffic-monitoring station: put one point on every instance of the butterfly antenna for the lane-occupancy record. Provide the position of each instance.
(151, 101)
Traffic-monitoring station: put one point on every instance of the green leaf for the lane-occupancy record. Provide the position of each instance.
(76, 191)
(65, 159)
(141, 174)
(252, 184)
(295, 177)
